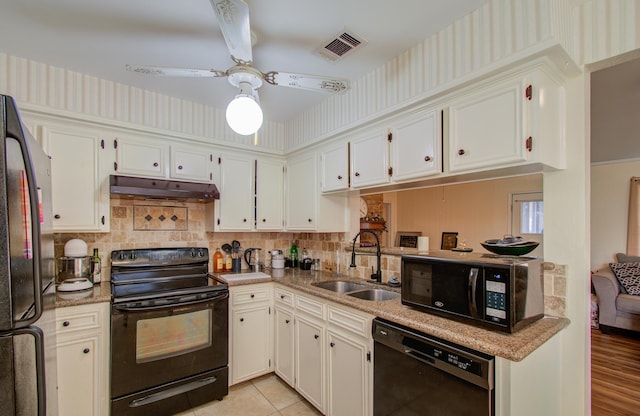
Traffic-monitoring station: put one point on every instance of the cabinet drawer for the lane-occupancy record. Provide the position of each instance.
(250, 294)
(284, 297)
(310, 306)
(79, 318)
(356, 323)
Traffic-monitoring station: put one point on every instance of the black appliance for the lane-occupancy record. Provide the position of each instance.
(169, 331)
(496, 292)
(162, 188)
(28, 384)
(417, 374)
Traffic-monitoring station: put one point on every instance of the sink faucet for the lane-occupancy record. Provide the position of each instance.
(377, 276)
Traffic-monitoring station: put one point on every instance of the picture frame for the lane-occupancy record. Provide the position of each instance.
(407, 239)
(449, 240)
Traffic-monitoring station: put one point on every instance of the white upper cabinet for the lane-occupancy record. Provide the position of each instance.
(191, 163)
(302, 192)
(370, 159)
(334, 168)
(234, 209)
(416, 145)
(140, 157)
(269, 194)
(80, 168)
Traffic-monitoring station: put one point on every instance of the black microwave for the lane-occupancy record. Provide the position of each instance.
(504, 293)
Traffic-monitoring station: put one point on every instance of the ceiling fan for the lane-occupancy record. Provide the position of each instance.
(244, 114)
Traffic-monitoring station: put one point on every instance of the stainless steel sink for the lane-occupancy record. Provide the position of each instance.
(340, 286)
(374, 294)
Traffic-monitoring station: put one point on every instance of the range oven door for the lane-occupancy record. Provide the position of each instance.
(159, 342)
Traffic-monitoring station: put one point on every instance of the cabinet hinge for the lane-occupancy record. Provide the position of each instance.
(102, 143)
(369, 356)
(269, 362)
(210, 176)
(211, 158)
(115, 166)
(102, 220)
(219, 160)
(115, 143)
(389, 137)
(218, 221)
(391, 171)
(529, 143)
(269, 310)
(528, 92)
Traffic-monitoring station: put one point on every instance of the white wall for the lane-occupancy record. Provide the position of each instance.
(609, 210)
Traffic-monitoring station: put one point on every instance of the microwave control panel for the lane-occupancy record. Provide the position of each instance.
(496, 289)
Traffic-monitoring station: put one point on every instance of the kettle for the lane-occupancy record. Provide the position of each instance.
(252, 257)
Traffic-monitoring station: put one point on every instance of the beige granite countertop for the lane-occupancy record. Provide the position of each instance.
(514, 347)
(100, 292)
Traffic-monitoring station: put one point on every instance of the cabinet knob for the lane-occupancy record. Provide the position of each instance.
(86, 350)
(357, 174)
(241, 319)
(253, 296)
(179, 167)
(244, 220)
(57, 216)
(155, 164)
(461, 152)
(316, 336)
(66, 323)
(427, 158)
(286, 321)
(339, 177)
(310, 220)
(264, 220)
(332, 344)
(281, 296)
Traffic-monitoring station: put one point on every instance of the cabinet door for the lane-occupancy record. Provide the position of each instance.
(310, 378)
(348, 375)
(140, 157)
(284, 345)
(486, 128)
(334, 168)
(270, 194)
(191, 163)
(251, 338)
(415, 147)
(370, 160)
(302, 193)
(79, 180)
(235, 207)
(78, 372)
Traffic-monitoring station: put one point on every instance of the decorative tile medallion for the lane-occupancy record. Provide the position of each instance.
(152, 218)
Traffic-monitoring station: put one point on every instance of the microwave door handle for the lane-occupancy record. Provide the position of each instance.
(471, 291)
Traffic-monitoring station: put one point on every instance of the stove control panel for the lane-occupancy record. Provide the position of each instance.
(150, 257)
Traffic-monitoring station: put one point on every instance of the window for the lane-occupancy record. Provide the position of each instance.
(527, 219)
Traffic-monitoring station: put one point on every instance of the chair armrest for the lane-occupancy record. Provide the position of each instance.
(607, 288)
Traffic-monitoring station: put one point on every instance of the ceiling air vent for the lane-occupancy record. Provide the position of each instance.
(342, 45)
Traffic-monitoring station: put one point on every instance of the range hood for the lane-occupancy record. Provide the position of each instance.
(161, 188)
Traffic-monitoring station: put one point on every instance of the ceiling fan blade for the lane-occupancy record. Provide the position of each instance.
(233, 18)
(175, 72)
(307, 82)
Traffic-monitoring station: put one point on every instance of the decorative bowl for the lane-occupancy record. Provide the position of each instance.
(518, 249)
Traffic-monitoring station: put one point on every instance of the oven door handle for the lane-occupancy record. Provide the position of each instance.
(186, 300)
(155, 397)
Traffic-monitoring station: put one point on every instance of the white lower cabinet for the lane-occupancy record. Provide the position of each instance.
(82, 347)
(250, 332)
(331, 352)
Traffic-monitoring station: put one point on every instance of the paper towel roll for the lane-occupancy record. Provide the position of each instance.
(423, 244)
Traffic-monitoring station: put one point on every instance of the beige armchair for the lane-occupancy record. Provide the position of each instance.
(615, 308)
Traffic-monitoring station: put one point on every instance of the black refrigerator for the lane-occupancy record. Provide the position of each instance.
(28, 376)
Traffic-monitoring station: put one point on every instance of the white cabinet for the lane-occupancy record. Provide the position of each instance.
(416, 145)
(191, 163)
(334, 168)
(82, 348)
(307, 209)
(250, 328)
(251, 193)
(284, 344)
(80, 168)
(370, 159)
(510, 122)
(310, 361)
(140, 157)
(348, 373)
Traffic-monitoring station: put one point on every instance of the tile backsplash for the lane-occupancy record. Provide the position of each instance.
(136, 224)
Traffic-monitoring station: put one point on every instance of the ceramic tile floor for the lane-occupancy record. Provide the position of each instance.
(264, 396)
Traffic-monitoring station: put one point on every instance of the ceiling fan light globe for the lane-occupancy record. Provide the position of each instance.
(244, 115)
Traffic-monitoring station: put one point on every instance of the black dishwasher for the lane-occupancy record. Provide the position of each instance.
(417, 374)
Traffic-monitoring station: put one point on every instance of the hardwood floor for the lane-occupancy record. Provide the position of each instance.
(615, 373)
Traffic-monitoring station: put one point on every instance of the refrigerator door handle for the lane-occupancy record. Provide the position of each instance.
(38, 337)
(35, 229)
